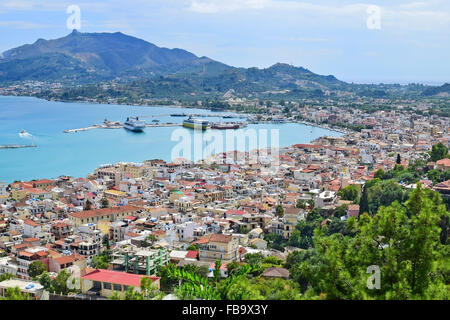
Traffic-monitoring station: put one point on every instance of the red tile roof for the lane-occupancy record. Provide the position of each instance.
(103, 212)
(445, 162)
(116, 277)
(30, 223)
(192, 254)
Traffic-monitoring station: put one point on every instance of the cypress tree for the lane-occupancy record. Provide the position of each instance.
(364, 202)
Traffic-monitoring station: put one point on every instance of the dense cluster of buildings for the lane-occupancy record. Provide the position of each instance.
(155, 212)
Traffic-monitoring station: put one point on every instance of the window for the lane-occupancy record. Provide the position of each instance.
(107, 286)
(117, 287)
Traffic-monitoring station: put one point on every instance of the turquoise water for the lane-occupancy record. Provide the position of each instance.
(78, 154)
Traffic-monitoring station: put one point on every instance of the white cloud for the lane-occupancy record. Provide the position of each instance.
(415, 15)
(221, 6)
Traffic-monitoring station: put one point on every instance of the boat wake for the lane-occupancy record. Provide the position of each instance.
(24, 134)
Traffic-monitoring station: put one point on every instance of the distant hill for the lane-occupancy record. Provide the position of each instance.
(92, 57)
(442, 91)
(97, 56)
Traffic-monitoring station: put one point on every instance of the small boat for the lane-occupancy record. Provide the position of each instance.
(24, 133)
(155, 120)
(178, 115)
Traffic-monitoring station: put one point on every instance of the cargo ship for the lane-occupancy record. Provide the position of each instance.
(196, 123)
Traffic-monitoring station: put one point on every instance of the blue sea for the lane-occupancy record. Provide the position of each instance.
(78, 154)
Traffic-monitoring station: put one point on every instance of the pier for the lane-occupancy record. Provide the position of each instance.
(120, 126)
(16, 146)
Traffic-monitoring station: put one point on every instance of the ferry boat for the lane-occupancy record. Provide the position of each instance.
(195, 123)
(225, 126)
(278, 120)
(134, 124)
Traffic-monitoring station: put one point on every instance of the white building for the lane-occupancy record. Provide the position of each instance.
(325, 198)
(3, 189)
(185, 231)
(31, 229)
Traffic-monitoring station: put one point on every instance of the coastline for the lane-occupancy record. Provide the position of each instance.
(88, 167)
(304, 122)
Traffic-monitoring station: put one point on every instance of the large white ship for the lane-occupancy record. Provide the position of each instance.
(196, 124)
(134, 124)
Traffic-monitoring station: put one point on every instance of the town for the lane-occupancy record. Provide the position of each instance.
(127, 222)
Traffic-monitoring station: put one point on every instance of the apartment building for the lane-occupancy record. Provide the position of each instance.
(218, 246)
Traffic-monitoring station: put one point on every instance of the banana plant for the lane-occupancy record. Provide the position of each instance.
(197, 286)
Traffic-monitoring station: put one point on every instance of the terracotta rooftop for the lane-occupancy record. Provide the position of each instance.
(102, 212)
(275, 272)
(116, 277)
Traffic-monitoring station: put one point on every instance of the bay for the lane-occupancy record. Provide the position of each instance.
(78, 154)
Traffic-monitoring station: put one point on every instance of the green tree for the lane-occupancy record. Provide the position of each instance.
(167, 282)
(438, 151)
(105, 202)
(132, 294)
(193, 247)
(102, 260)
(46, 282)
(216, 272)
(149, 241)
(59, 283)
(36, 268)
(311, 204)
(106, 241)
(15, 294)
(349, 193)
(274, 241)
(264, 289)
(301, 204)
(88, 205)
(254, 260)
(402, 240)
(279, 211)
(379, 174)
(364, 201)
(6, 276)
(196, 286)
(149, 289)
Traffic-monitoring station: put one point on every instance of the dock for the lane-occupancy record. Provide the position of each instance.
(16, 146)
(80, 129)
(120, 126)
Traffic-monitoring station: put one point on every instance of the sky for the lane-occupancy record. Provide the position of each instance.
(377, 41)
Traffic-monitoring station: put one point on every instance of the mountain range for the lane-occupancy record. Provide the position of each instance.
(89, 58)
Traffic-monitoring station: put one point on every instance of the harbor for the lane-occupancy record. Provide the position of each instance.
(130, 124)
(59, 153)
